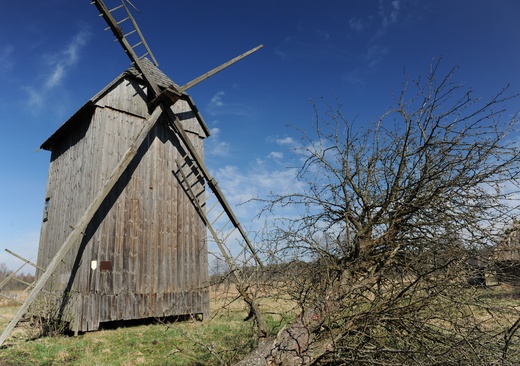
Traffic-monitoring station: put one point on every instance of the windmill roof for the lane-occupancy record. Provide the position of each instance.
(158, 77)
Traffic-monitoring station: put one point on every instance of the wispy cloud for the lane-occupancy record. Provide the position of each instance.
(216, 100)
(36, 96)
(359, 24)
(58, 65)
(353, 77)
(217, 106)
(214, 146)
(311, 44)
(6, 61)
(389, 11)
(385, 15)
(276, 155)
(286, 141)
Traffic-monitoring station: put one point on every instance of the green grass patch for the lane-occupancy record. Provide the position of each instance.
(223, 339)
(184, 343)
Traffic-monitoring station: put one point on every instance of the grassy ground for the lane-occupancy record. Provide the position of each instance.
(223, 339)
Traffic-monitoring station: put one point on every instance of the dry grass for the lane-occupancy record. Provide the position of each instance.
(223, 339)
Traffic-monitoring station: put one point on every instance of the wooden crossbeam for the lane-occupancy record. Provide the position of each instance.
(24, 260)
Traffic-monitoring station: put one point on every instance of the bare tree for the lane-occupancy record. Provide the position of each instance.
(394, 219)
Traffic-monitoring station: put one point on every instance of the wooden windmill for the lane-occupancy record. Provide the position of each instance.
(129, 201)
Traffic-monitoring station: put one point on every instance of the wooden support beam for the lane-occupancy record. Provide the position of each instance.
(218, 69)
(24, 260)
(80, 227)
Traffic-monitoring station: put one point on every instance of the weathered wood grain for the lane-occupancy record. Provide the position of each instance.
(147, 229)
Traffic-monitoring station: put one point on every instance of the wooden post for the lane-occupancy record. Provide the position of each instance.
(85, 219)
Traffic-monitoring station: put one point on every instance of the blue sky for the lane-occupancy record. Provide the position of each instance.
(54, 56)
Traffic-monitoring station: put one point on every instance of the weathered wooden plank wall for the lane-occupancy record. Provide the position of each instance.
(147, 240)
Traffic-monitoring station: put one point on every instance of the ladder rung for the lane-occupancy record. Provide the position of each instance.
(190, 173)
(236, 259)
(143, 56)
(198, 174)
(129, 33)
(199, 192)
(212, 207)
(223, 227)
(229, 234)
(123, 20)
(218, 217)
(117, 7)
(23, 282)
(137, 44)
(210, 194)
(194, 182)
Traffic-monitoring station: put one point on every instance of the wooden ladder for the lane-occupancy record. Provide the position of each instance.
(222, 224)
(125, 29)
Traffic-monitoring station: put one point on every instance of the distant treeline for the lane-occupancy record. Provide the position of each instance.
(17, 282)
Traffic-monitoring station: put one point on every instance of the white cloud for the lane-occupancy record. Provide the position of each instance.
(354, 77)
(286, 141)
(216, 100)
(217, 106)
(214, 146)
(58, 67)
(375, 51)
(276, 155)
(257, 181)
(218, 148)
(55, 77)
(374, 55)
(63, 61)
(215, 131)
(244, 188)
